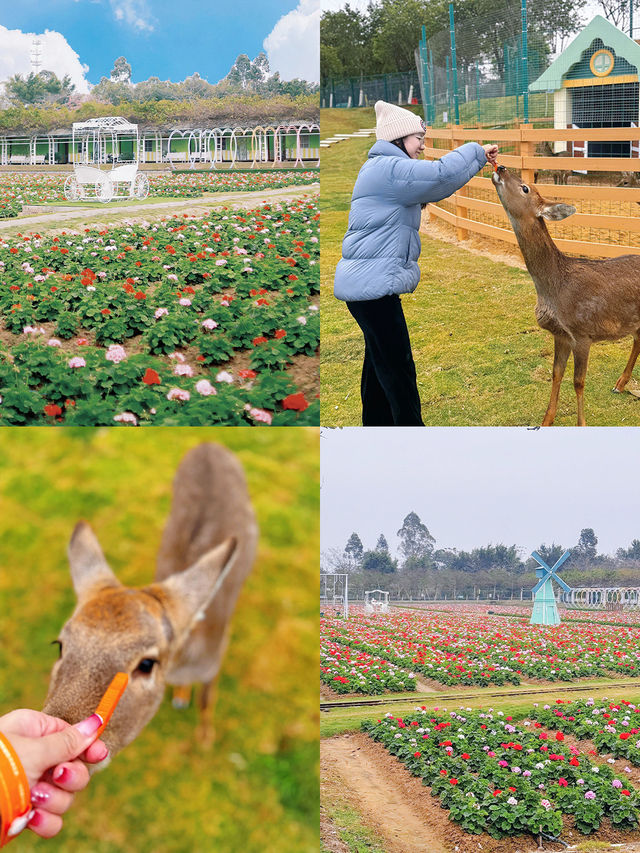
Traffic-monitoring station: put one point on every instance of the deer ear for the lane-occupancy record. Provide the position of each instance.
(89, 569)
(191, 591)
(557, 211)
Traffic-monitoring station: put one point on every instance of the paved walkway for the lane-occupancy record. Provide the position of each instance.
(340, 137)
(237, 199)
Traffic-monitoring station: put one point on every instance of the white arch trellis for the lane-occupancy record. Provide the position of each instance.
(376, 601)
(603, 597)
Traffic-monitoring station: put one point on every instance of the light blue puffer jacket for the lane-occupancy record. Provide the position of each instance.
(381, 247)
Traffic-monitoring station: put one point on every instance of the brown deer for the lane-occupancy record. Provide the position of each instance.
(174, 631)
(580, 300)
(560, 176)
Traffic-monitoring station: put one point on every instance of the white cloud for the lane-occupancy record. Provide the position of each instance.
(334, 5)
(56, 52)
(133, 13)
(293, 45)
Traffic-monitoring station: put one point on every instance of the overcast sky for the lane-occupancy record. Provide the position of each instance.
(473, 486)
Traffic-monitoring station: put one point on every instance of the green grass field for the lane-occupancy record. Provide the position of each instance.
(257, 789)
(480, 357)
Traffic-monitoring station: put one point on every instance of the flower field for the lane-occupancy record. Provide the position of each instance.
(484, 650)
(18, 189)
(185, 321)
(348, 671)
(507, 778)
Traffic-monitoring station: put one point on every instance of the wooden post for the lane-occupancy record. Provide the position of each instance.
(527, 149)
(461, 212)
(429, 143)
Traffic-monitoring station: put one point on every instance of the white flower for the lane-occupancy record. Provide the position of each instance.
(209, 324)
(115, 353)
(204, 387)
(127, 418)
(183, 370)
(178, 394)
(302, 320)
(223, 376)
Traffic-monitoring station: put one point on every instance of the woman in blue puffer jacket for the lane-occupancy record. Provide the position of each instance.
(380, 252)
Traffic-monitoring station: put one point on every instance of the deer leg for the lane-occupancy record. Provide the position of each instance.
(208, 699)
(181, 696)
(626, 373)
(580, 362)
(560, 356)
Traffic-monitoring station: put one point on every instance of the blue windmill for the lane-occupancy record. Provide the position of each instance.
(545, 610)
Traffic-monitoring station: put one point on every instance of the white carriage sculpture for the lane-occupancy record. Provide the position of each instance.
(101, 142)
(376, 601)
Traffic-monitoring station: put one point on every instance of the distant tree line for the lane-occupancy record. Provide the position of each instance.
(246, 77)
(383, 38)
(422, 571)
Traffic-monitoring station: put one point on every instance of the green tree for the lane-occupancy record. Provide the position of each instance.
(587, 544)
(382, 544)
(630, 553)
(109, 92)
(378, 561)
(415, 539)
(353, 549)
(43, 88)
(549, 553)
(121, 71)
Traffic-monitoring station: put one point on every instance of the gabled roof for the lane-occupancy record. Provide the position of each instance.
(600, 28)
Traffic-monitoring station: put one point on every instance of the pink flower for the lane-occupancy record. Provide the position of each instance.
(209, 324)
(183, 370)
(260, 415)
(205, 388)
(77, 361)
(127, 418)
(221, 262)
(54, 342)
(177, 356)
(178, 394)
(160, 311)
(172, 277)
(184, 301)
(223, 376)
(115, 353)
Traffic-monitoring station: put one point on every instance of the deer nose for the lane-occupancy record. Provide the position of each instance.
(501, 169)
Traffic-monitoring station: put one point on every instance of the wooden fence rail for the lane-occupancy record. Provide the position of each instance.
(619, 227)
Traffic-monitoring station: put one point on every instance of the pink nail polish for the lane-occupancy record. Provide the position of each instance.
(36, 820)
(89, 726)
(61, 775)
(38, 795)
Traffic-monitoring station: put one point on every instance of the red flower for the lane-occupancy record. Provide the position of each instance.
(559, 736)
(574, 762)
(247, 374)
(259, 340)
(296, 402)
(140, 295)
(453, 781)
(562, 782)
(52, 410)
(279, 333)
(416, 755)
(292, 277)
(262, 302)
(151, 377)
(495, 793)
(105, 311)
(199, 358)
(625, 792)
(465, 755)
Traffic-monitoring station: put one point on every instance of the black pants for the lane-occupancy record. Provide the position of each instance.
(388, 388)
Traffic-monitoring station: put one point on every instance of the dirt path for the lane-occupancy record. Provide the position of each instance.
(396, 805)
(55, 215)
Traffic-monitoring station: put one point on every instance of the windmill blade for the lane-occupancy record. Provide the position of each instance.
(561, 583)
(542, 582)
(537, 557)
(562, 560)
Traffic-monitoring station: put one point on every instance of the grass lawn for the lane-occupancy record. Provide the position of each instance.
(480, 357)
(257, 789)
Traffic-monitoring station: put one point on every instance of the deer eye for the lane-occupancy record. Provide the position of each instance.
(146, 665)
(525, 188)
(59, 645)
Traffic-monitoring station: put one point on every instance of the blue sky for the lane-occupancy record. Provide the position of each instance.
(171, 39)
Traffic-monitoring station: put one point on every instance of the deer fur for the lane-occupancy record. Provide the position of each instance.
(580, 300)
(180, 622)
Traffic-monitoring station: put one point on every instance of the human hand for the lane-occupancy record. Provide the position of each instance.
(491, 153)
(52, 753)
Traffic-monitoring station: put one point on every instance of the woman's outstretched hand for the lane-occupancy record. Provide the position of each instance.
(53, 755)
(491, 152)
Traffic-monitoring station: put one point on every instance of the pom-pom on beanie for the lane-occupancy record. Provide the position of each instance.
(394, 122)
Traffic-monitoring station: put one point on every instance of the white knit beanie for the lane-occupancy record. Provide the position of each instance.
(394, 122)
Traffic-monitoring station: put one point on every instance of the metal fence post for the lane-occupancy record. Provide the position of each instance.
(525, 64)
(454, 66)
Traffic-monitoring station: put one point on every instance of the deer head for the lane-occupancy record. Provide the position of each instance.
(523, 203)
(137, 631)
